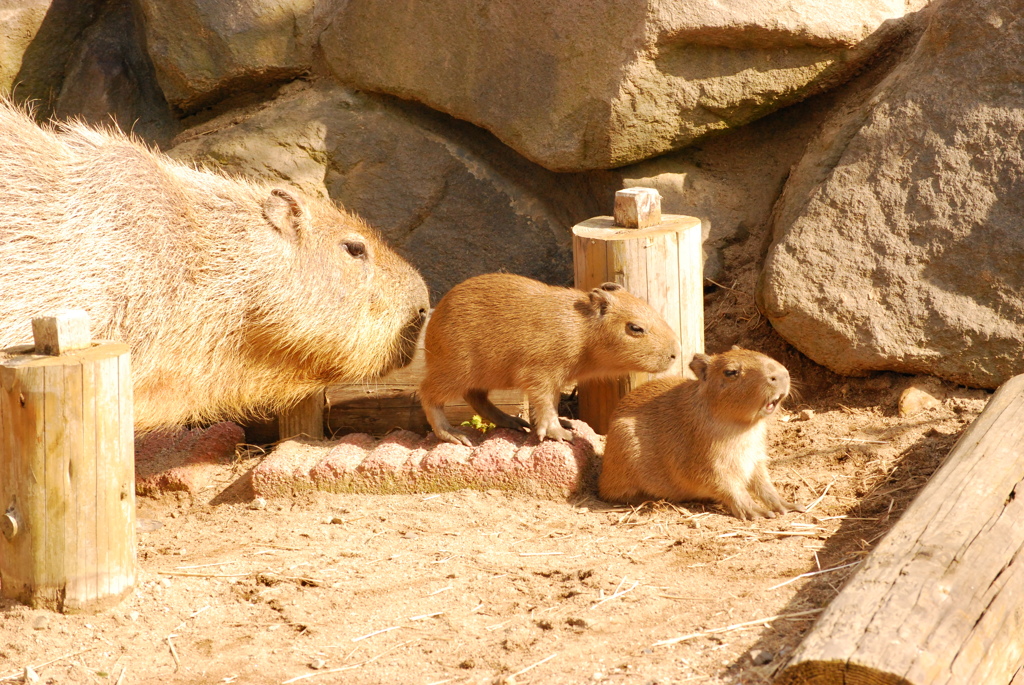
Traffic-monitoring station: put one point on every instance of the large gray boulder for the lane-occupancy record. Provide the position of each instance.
(899, 240)
(205, 50)
(448, 196)
(586, 85)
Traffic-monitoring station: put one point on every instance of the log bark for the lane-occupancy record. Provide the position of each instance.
(663, 265)
(941, 599)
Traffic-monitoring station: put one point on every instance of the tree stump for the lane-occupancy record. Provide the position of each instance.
(941, 599)
(67, 475)
(662, 264)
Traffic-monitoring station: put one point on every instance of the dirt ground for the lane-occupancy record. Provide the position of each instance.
(486, 587)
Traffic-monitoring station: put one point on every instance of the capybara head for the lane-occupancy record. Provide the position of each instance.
(336, 298)
(741, 385)
(233, 296)
(629, 334)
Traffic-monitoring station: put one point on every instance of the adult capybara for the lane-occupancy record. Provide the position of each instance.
(681, 439)
(235, 297)
(501, 331)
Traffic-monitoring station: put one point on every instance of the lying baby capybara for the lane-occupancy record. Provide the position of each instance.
(681, 440)
(234, 296)
(502, 331)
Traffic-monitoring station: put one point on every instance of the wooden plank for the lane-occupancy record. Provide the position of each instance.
(50, 582)
(86, 481)
(126, 494)
(21, 489)
(305, 419)
(939, 600)
(691, 294)
(71, 575)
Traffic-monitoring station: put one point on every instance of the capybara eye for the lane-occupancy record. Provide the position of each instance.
(355, 248)
(634, 329)
(732, 372)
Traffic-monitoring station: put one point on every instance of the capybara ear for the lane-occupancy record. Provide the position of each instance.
(284, 212)
(735, 347)
(699, 365)
(600, 300)
(610, 287)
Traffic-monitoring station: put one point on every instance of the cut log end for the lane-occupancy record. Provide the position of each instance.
(62, 332)
(832, 672)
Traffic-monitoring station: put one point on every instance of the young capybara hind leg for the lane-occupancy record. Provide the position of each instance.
(761, 485)
(483, 406)
(442, 428)
(544, 406)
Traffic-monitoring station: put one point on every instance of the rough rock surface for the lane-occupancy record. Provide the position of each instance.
(19, 22)
(183, 460)
(576, 86)
(206, 49)
(898, 241)
(448, 196)
(110, 80)
(407, 462)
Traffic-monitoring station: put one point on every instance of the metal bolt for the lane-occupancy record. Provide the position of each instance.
(9, 525)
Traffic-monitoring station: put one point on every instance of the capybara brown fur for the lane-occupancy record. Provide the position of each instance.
(234, 297)
(501, 331)
(681, 440)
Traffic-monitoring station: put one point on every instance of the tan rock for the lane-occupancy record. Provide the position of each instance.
(922, 394)
(19, 22)
(575, 86)
(897, 241)
(207, 49)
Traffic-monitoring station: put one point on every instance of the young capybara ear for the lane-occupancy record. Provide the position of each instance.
(610, 287)
(600, 300)
(699, 365)
(285, 213)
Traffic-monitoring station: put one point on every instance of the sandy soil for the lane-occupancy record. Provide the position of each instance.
(486, 587)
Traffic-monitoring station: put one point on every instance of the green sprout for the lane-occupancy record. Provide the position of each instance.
(479, 423)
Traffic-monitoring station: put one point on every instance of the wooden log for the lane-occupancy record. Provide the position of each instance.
(305, 419)
(67, 477)
(662, 264)
(941, 599)
(637, 208)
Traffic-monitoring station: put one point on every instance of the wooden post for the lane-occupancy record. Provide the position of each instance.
(662, 264)
(305, 419)
(939, 601)
(67, 475)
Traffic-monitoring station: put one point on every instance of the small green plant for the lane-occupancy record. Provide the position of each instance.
(479, 424)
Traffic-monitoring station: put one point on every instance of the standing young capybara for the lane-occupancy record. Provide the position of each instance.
(235, 297)
(680, 439)
(501, 331)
